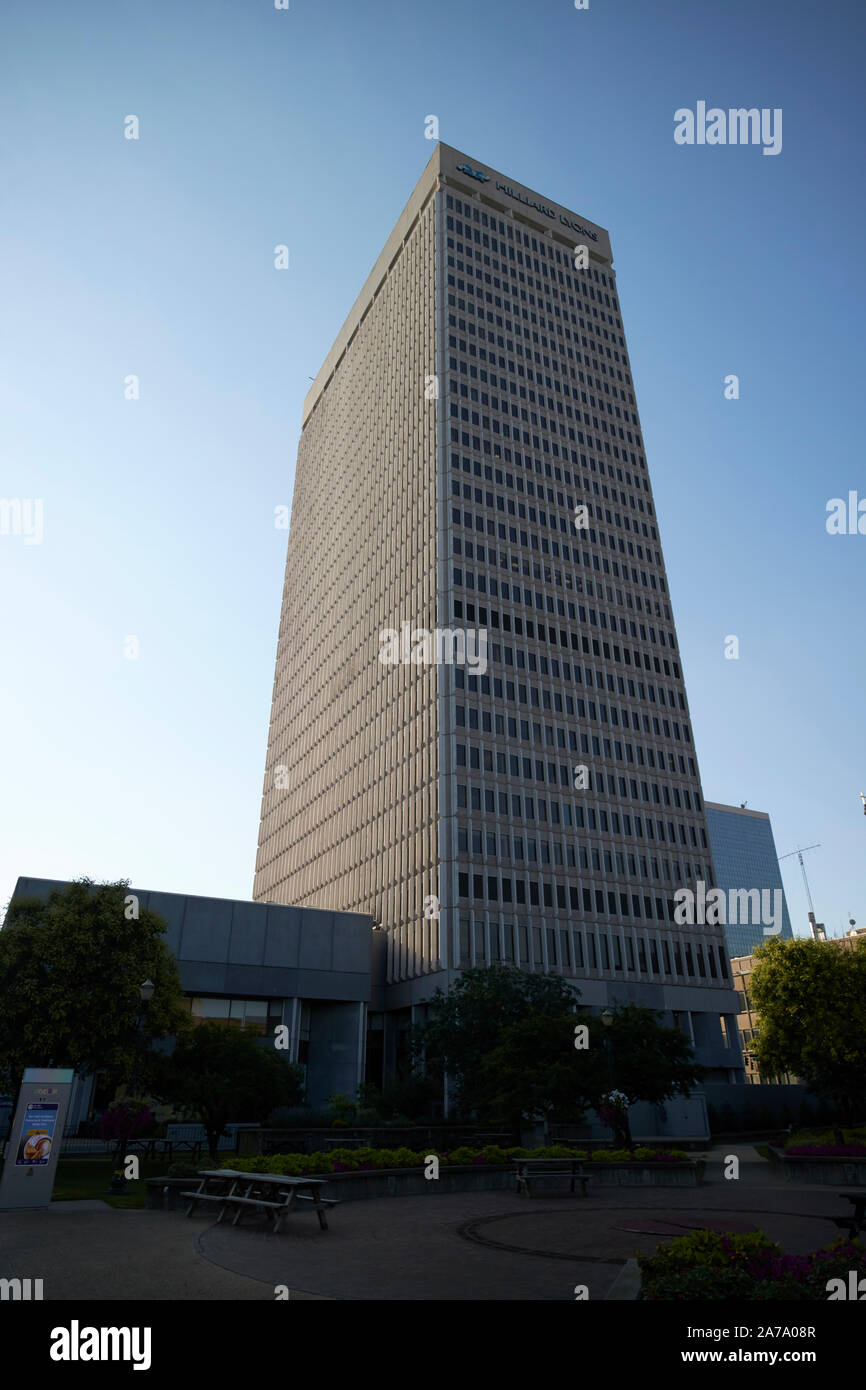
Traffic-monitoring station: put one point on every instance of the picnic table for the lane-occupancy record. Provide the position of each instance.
(552, 1168)
(273, 1193)
(855, 1220)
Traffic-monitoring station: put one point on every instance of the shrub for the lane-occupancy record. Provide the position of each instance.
(494, 1154)
(126, 1119)
(182, 1170)
(463, 1154)
(824, 1141)
(747, 1265)
(369, 1159)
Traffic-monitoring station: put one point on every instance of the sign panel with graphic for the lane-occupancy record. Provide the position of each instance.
(37, 1134)
(35, 1139)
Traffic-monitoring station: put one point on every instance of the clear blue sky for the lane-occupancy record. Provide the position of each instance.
(306, 127)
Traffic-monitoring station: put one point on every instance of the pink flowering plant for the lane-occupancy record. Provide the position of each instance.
(722, 1266)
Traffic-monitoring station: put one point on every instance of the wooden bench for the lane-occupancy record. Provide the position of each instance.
(206, 1197)
(546, 1167)
(276, 1209)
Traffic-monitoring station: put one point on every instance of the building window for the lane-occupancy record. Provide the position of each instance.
(254, 1015)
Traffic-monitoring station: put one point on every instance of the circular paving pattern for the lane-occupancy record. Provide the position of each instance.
(599, 1235)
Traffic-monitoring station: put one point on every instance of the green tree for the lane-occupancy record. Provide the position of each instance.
(70, 972)
(218, 1074)
(811, 1001)
(536, 1067)
(465, 1026)
(533, 1071)
(637, 1057)
(508, 1041)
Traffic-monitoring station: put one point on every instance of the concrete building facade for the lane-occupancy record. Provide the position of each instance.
(472, 459)
(258, 965)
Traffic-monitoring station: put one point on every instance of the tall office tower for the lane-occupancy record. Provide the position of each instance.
(744, 854)
(541, 811)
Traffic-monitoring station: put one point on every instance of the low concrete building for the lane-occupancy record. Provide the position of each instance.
(257, 965)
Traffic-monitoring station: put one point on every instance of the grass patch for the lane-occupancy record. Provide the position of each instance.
(81, 1179)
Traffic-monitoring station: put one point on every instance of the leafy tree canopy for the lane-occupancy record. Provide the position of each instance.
(537, 1069)
(218, 1074)
(811, 999)
(70, 972)
(508, 1043)
(464, 1026)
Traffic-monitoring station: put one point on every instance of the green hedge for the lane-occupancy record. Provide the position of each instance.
(825, 1137)
(365, 1159)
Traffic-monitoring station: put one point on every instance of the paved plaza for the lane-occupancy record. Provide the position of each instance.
(467, 1246)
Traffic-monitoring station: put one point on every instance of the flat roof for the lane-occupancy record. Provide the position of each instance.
(735, 810)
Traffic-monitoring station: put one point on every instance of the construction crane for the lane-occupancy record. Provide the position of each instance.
(817, 927)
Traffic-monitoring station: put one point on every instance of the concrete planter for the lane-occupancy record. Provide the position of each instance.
(685, 1174)
(849, 1172)
(164, 1193)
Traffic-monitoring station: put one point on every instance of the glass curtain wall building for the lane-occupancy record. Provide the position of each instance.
(744, 853)
(472, 458)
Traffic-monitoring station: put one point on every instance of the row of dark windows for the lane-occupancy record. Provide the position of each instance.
(530, 541)
(522, 806)
(485, 584)
(541, 698)
(534, 569)
(481, 265)
(538, 379)
(516, 369)
(679, 960)
(552, 774)
(513, 232)
(474, 417)
(626, 788)
(551, 445)
(519, 322)
(462, 391)
(538, 517)
(516, 309)
(560, 499)
(539, 263)
(560, 475)
(491, 888)
(469, 348)
(574, 855)
(559, 637)
(574, 706)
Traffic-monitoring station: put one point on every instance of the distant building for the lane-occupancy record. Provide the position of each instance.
(747, 1018)
(744, 854)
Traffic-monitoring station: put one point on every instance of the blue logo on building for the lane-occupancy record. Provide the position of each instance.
(473, 173)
